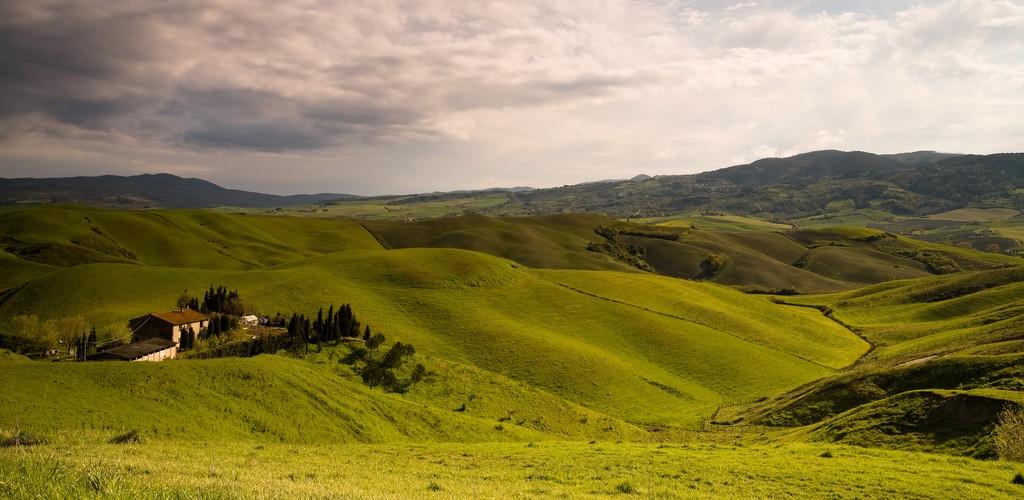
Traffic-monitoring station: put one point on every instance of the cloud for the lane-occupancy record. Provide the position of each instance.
(419, 95)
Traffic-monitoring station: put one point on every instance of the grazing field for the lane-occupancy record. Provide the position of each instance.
(159, 469)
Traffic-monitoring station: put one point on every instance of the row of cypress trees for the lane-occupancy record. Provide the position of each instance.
(335, 325)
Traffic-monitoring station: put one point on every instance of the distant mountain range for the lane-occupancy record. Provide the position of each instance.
(813, 183)
(146, 190)
(808, 184)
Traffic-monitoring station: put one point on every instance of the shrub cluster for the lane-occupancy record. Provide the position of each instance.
(380, 370)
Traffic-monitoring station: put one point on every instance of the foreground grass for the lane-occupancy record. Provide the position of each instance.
(493, 470)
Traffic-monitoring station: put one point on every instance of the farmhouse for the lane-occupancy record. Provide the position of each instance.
(157, 335)
(169, 325)
(154, 349)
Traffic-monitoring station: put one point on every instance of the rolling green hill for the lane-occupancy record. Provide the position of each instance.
(64, 236)
(946, 359)
(935, 316)
(553, 242)
(956, 422)
(278, 399)
(628, 362)
(805, 261)
(527, 336)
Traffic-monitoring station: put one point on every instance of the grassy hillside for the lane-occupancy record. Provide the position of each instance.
(830, 396)
(260, 399)
(955, 422)
(64, 236)
(801, 260)
(756, 258)
(934, 316)
(224, 399)
(946, 359)
(554, 242)
(495, 470)
(629, 362)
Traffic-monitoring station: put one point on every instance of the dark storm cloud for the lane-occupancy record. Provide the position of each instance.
(267, 77)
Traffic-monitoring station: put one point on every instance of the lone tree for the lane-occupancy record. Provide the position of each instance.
(184, 300)
(711, 265)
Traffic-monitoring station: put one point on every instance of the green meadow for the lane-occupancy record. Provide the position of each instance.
(173, 469)
(552, 368)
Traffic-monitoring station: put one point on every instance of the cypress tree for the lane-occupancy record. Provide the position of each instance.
(92, 340)
(329, 326)
(366, 333)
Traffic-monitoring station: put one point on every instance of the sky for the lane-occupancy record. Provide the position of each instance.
(383, 96)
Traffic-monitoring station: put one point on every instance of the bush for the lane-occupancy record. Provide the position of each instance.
(130, 437)
(356, 355)
(1009, 434)
(418, 373)
(375, 341)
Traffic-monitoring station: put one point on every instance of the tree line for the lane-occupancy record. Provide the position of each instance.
(336, 325)
(215, 300)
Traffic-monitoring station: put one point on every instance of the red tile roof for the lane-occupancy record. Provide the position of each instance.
(182, 317)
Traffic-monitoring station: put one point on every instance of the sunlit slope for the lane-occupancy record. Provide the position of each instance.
(801, 332)
(934, 316)
(616, 358)
(274, 398)
(171, 469)
(206, 239)
(269, 397)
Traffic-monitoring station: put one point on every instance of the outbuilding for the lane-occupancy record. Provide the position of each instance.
(154, 349)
